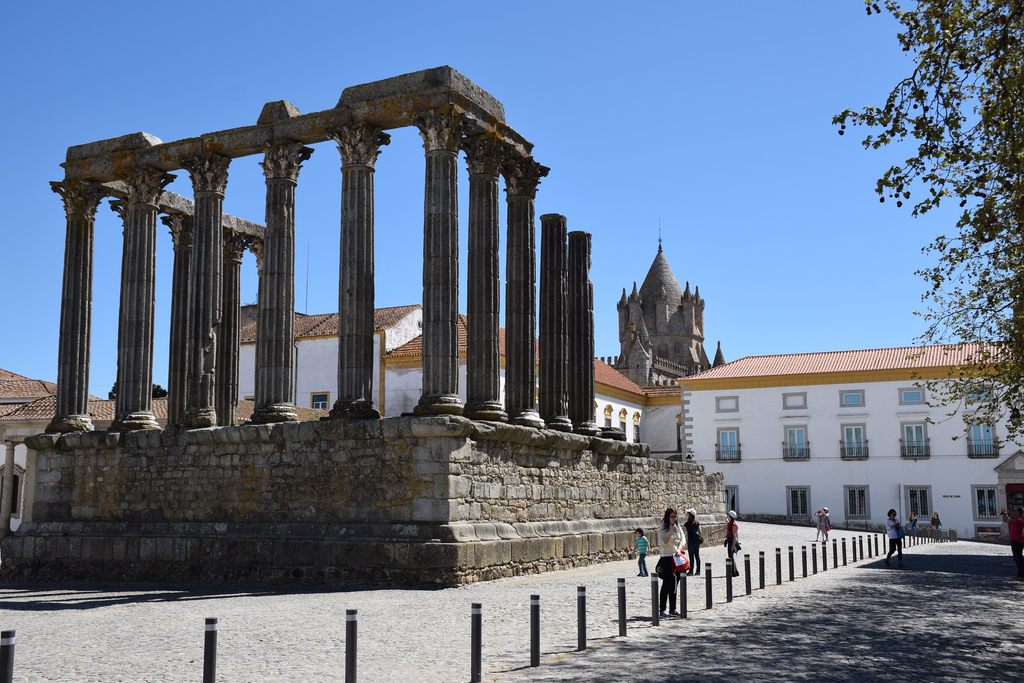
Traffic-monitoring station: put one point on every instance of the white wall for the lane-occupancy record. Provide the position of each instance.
(762, 475)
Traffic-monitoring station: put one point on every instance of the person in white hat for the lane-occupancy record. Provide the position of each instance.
(732, 539)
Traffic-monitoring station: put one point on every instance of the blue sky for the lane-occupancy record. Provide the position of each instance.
(712, 120)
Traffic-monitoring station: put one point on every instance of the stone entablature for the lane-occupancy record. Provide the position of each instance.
(398, 500)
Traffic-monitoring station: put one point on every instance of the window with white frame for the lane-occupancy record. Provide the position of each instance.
(919, 500)
(732, 498)
(985, 506)
(914, 443)
(853, 443)
(857, 503)
(980, 443)
(851, 398)
(797, 498)
(319, 400)
(794, 401)
(728, 447)
(795, 446)
(911, 396)
(727, 404)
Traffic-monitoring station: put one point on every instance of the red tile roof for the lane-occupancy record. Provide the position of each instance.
(326, 324)
(102, 410)
(607, 375)
(23, 388)
(901, 358)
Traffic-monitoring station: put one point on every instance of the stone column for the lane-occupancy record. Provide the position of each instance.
(7, 491)
(209, 174)
(177, 369)
(554, 365)
(275, 328)
(483, 287)
(226, 401)
(72, 401)
(138, 300)
(522, 176)
(359, 146)
(581, 336)
(440, 394)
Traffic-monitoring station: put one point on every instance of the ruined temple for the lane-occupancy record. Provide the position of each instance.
(496, 486)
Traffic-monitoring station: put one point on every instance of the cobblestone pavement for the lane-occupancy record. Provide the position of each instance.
(952, 615)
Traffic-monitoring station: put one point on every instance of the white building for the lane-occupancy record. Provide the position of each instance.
(852, 431)
(650, 415)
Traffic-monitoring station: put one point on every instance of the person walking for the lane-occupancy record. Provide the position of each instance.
(824, 524)
(936, 524)
(693, 541)
(732, 539)
(641, 549)
(892, 530)
(670, 538)
(1016, 521)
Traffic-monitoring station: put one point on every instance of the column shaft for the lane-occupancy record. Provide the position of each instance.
(521, 179)
(209, 178)
(440, 392)
(275, 329)
(554, 390)
(138, 300)
(177, 372)
(359, 146)
(581, 336)
(483, 292)
(228, 344)
(7, 491)
(72, 400)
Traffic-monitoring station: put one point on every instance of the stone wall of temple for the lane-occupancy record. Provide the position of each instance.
(416, 500)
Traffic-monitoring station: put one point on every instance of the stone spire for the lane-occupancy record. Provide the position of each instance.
(719, 356)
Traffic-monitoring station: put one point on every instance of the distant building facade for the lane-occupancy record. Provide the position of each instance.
(852, 431)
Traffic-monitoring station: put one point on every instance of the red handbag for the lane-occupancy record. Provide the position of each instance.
(680, 563)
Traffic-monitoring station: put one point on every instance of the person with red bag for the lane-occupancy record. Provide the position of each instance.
(670, 537)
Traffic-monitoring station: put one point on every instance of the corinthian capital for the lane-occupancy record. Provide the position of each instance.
(522, 176)
(120, 207)
(81, 198)
(484, 154)
(145, 184)
(360, 144)
(181, 228)
(235, 244)
(283, 159)
(209, 172)
(440, 130)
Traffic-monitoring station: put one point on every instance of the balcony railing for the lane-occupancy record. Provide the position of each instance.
(982, 449)
(727, 453)
(791, 452)
(915, 449)
(853, 451)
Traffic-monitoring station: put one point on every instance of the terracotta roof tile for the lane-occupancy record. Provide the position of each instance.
(102, 410)
(326, 324)
(900, 358)
(7, 376)
(25, 389)
(663, 390)
(609, 376)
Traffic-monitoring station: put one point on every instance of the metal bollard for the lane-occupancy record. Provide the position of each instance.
(210, 651)
(803, 559)
(824, 557)
(746, 572)
(655, 616)
(778, 566)
(791, 569)
(6, 656)
(760, 562)
(351, 621)
(682, 595)
(876, 545)
(707, 584)
(476, 643)
(534, 630)
(860, 542)
(844, 552)
(581, 618)
(814, 559)
(835, 554)
(728, 579)
(622, 607)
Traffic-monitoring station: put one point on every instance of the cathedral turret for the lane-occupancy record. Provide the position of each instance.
(719, 356)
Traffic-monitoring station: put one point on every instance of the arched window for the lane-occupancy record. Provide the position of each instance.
(608, 416)
(622, 420)
(636, 427)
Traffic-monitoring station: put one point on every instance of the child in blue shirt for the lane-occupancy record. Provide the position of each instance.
(641, 546)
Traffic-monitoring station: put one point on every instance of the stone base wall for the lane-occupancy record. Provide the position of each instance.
(408, 501)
